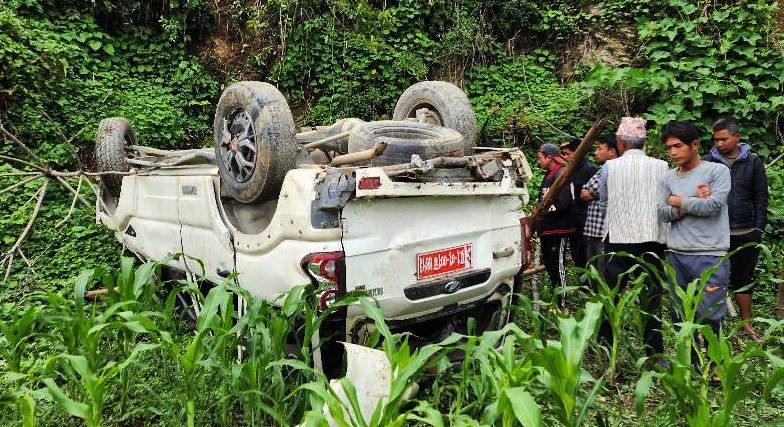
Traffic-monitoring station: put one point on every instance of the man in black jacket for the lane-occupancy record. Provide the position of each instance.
(556, 224)
(579, 212)
(748, 211)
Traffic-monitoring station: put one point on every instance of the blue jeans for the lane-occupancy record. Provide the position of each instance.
(713, 306)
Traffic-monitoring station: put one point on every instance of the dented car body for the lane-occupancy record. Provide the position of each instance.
(426, 248)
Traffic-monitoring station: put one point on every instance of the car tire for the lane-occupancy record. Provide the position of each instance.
(254, 140)
(113, 135)
(405, 139)
(447, 105)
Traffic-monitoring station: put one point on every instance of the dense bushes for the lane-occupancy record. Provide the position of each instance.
(705, 60)
(69, 68)
(522, 62)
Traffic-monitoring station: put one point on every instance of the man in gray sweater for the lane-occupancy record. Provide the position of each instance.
(693, 199)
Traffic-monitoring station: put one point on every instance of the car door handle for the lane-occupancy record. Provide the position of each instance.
(503, 253)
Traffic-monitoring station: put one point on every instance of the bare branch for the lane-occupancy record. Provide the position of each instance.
(4, 175)
(24, 162)
(24, 258)
(98, 198)
(73, 204)
(21, 183)
(10, 260)
(71, 189)
(9, 255)
(27, 149)
(83, 173)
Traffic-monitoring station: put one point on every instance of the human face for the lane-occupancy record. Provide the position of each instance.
(604, 153)
(544, 160)
(725, 142)
(567, 154)
(682, 153)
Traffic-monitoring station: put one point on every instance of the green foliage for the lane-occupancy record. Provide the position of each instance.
(524, 96)
(71, 357)
(775, 228)
(357, 61)
(708, 60)
(62, 75)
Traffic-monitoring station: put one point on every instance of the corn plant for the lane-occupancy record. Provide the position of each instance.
(618, 303)
(83, 328)
(13, 391)
(511, 376)
(191, 356)
(93, 383)
(688, 388)
(494, 379)
(560, 367)
(15, 336)
(406, 366)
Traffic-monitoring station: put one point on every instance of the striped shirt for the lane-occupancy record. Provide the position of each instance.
(630, 187)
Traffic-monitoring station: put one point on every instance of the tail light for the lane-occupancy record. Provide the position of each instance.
(326, 271)
(526, 234)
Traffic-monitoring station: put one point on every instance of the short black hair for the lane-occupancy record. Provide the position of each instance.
(608, 140)
(726, 124)
(684, 131)
(571, 143)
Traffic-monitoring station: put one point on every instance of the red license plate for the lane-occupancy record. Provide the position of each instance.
(444, 261)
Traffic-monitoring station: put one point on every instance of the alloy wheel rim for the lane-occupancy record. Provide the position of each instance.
(238, 145)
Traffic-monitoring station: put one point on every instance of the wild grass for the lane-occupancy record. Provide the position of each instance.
(131, 358)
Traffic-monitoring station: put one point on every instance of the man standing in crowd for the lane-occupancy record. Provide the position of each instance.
(748, 211)
(582, 173)
(699, 233)
(594, 230)
(629, 188)
(556, 223)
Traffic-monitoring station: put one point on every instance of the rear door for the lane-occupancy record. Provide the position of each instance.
(206, 241)
(418, 254)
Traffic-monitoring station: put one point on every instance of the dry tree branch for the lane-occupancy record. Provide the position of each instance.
(24, 173)
(8, 268)
(40, 170)
(101, 203)
(72, 190)
(9, 255)
(73, 204)
(23, 162)
(26, 149)
(24, 258)
(22, 182)
(80, 173)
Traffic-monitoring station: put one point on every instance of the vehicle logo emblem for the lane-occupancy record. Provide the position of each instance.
(452, 287)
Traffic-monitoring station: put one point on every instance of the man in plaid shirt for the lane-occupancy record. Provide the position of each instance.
(594, 230)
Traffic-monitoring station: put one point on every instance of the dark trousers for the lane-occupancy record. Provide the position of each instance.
(578, 249)
(553, 259)
(743, 262)
(594, 248)
(650, 297)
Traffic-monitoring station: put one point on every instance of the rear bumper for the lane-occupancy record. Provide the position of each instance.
(490, 313)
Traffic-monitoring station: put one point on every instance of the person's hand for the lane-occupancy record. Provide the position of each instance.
(586, 196)
(703, 191)
(674, 201)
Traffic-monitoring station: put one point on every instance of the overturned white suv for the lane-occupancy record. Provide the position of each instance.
(408, 210)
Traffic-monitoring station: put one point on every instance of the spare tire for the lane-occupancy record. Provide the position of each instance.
(113, 135)
(405, 139)
(254, 141)
(439, 103)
